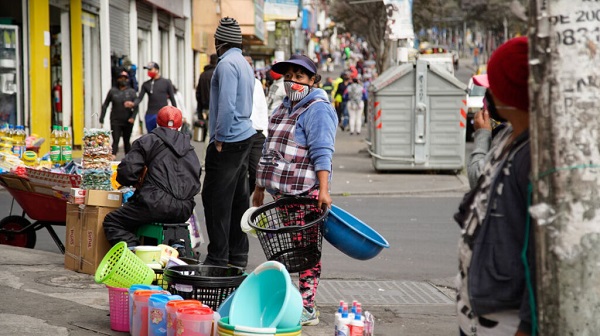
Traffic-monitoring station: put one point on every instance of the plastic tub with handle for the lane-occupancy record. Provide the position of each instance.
(157, 313)
(140, 311)
(172, 307)
(196, 321)
(132, 290)
(226, 329)
(267, 299)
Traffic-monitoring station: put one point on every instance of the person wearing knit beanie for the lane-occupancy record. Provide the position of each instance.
(508, 73)
(225, 193)
(229, 31)
(495, 295)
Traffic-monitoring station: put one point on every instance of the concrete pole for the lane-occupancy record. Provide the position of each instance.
(565, 147)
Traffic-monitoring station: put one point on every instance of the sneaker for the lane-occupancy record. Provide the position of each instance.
(309, 318)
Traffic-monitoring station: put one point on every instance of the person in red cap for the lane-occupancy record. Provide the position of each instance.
(495, 283)
(170, 171)
(486, 128)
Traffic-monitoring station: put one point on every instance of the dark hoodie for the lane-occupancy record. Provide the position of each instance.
(173, 176)
(203, 88)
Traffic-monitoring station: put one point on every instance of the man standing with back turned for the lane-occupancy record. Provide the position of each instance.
(225, 193)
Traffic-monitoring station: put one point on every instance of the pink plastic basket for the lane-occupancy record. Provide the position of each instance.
(118, 300)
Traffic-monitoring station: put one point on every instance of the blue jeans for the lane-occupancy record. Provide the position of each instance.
(150, 122)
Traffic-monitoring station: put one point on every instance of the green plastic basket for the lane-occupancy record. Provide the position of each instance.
(121, 268)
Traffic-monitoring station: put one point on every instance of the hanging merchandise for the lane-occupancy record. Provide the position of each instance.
(97, 155)
(57, 95)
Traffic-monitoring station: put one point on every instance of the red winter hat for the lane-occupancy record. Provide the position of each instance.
(169, 117)
(508, 73)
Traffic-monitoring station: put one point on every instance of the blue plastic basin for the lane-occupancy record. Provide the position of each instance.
(266, 299)
(351, 236)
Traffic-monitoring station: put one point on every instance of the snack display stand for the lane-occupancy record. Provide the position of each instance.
(43, 197)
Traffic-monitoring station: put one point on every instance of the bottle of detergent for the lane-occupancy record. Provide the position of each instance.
(343, 324)
(338, 316)
(357, 326)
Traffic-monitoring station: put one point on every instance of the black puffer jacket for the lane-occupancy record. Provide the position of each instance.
(173, 176)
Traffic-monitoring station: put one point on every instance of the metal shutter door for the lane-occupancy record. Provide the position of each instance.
(163, 20)
(144, 13)
(179, 27)
(119, 27)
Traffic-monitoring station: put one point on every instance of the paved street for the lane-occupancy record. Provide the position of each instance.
(408, 287)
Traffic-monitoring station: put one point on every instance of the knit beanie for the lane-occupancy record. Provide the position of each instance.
(508, 73)
(229, 31)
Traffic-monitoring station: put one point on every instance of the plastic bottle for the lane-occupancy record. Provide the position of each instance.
(54, 146)
(352, 310)
(9, 131)
(6, 145)
(357, 326)
(343, 324)
(66, 151)
(19, 141)
(338, 316)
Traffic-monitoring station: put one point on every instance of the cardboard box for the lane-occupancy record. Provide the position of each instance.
(72, 241)
(15, 182)
(85, 243)
(101, 198)
(77, 196)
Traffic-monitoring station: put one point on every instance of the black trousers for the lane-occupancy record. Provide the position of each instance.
(225, 197)
(122, 224)
(117, 132)
(256, 147)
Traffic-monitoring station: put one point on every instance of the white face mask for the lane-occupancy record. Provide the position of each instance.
(296, 91)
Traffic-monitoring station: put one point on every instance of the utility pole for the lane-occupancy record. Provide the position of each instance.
(565, 146)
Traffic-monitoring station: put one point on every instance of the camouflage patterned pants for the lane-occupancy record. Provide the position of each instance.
(309, 280)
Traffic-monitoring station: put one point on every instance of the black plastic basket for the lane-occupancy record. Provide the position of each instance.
(209, 284)
(158, 273)
(290, 231)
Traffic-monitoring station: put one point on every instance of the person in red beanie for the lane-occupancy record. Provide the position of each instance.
(167, 171)
(495, 286)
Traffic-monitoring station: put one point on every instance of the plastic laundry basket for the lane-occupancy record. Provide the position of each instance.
(118, 301)
(121, 268)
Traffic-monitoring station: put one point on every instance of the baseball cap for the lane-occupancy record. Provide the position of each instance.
(152, 65)
(169, 117)
(482, 80)
(295, 60)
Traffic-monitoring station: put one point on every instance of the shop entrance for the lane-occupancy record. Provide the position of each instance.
(59, 41)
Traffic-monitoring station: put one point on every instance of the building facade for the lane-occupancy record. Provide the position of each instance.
(57, 57)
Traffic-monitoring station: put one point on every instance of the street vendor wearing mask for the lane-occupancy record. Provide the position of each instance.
(301, 130)
(159, 90)
(170, 172)
(121, 117)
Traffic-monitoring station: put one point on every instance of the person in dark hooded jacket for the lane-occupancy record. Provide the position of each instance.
(170, 171)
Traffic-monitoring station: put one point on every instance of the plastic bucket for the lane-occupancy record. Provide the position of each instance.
(121, 268)
(150, 255)
(118, 301)
(267, 299)
(157, 313)
(226, 329)
(132, 290)
(172, 307)
(194, 321)
(140, 311)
